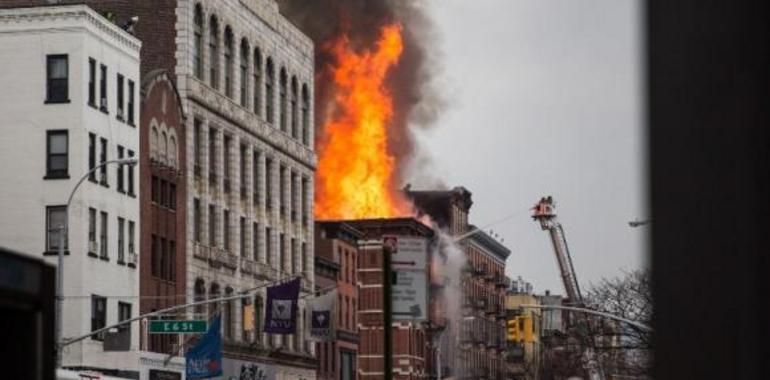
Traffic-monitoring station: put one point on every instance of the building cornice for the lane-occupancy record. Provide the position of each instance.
(489, 244)
(67, 18)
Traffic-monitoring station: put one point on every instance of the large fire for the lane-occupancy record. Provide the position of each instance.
(356, 172)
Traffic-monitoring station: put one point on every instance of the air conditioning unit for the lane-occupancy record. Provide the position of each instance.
(93, 246)
(132, 258)
(103, 103)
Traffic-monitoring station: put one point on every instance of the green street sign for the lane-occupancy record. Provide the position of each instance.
(177, 327)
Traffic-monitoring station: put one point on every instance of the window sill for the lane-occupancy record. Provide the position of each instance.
(131, 123)
(131, 194)
(55, 253)
(92, 254)
(104, 258)
(93, 179)
(104, 110)
(131, 265)
(92, 105)
(105, 184)
(57, 176)
(121, 262)
(121, 191)
(120, 119)
(57, 101)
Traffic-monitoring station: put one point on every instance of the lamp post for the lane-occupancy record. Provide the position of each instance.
(60, 258)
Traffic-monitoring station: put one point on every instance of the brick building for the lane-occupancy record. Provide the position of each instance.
(245, 79)
(409, 339)
(336, 262)
(475, 348)
(162, 165)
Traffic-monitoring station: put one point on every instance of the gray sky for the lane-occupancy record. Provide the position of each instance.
(546, 100)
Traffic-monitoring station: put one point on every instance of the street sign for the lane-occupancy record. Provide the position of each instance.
(177, 327)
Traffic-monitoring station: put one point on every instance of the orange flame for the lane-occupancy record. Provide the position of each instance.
(355, 174)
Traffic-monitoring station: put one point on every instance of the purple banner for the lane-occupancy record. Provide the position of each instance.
(281, 311)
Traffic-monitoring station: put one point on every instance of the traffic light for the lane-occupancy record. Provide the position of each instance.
(528, 333)
(513, 330)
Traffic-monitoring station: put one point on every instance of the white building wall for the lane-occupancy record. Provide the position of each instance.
(26, 37)
(260, 23)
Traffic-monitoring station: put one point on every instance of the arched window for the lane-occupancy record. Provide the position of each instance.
(257, 73)
(269, 96)
(229, 61)
(163, 147)
(244, 72)
(294, 115)
(198, 42)
(305, 115)
(172, 151)
(154, 142)
(214, 52)
(213, 293)
(282, 99)
(199, 295)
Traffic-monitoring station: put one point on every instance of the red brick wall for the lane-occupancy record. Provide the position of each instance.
(156, 219)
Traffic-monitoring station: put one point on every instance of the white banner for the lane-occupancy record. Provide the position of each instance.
(322, 310)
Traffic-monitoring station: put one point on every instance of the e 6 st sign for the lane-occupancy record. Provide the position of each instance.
(177, 327)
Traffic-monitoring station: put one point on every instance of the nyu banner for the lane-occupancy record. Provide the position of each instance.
(281, 311)
(205, 359)
(322, 316)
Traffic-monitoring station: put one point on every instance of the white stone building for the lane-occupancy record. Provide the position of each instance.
(245, 75)
(70, 82)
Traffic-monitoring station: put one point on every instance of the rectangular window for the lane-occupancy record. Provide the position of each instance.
(255, 178)
(155, 190)
(57, 155)
(305, 202)
(197, 146)
(197, 220)
(57, 72)
(226, 229)
(172, 196)
(92, 248)
(103, 88)
(281, 251)
(91, 157)
(226, 162)
(103, 236)
(171, 260)
(102, 160)
(163, 193)
(282, 189)
(155, 257)
(242, 171)
(121, 175)
(98, 315)
(293, 196)
(130, 102)
(131, 240)
(131, 175)
(120, 97)
(212, 226)
(54, 222)
(243, 236)
(92, 82)
(268, 246)
(212, 155)
(255, 241)
(268, 183)
(121, 240)
(124, 314)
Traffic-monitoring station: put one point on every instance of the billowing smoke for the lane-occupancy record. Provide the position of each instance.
(417, 103)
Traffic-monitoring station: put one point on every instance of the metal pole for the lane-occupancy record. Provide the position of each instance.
(636, 324)
(60, 259)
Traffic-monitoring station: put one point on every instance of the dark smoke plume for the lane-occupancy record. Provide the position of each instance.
(417, 103)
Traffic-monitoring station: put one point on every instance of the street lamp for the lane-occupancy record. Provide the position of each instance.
(60, 266)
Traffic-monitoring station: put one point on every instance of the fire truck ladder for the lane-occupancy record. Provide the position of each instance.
(544, 212)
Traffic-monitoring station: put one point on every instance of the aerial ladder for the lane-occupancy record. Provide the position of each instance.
(544, 212)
